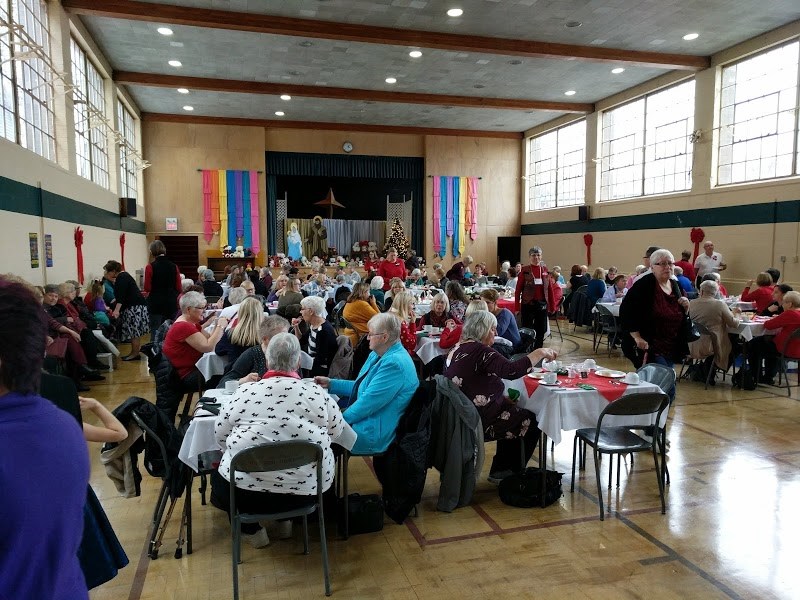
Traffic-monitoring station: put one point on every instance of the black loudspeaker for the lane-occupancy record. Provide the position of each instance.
(127, 207)
(583, 213)
(509, 248)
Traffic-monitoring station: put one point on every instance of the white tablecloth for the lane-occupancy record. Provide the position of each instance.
(210, 364)
(751, 329)
(559, 409)
(428, 348)
(741, 305)
(199, 437)
(613, 307)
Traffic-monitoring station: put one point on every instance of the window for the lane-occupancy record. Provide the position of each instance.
(91, 141)
(26, 88)
(647, 147)
(758, 117)
(127, 166)
(557, 167)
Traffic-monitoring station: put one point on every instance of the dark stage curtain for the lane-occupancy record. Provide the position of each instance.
(400, 175)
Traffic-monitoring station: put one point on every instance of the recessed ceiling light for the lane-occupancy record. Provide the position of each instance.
(479, 86)
(691, 36)
(455, 12)
(572, 24)
(618, 70)
(175, 63)
(515, 62)
(285, 97)
(391, 80)
(279, 113)
(306, 44)
(189, 108)
(569, 93)
(415, 54)
(183, 91)
(164, 30)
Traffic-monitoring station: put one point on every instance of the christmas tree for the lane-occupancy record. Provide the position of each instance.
(398, 240)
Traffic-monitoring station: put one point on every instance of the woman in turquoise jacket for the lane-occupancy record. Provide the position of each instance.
(381, 392)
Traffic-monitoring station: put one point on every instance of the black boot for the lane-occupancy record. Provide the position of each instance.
(89, 374)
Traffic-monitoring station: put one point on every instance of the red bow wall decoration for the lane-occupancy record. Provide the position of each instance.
(697, 235)
(588, 239)
(79, 252)
(122, 249)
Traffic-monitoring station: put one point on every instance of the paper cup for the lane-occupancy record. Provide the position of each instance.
(230, 386)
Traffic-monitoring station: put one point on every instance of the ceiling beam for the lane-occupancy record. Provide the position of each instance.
(278, 124)
(370, 34)
(337, 93)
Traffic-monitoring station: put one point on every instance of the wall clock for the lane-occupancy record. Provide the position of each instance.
(347, 146)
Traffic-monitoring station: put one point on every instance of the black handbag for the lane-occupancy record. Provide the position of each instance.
(690, 332)
(366, 513)
(524, 490)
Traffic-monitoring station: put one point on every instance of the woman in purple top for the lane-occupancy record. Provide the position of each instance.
(45, 469)
(479, 370)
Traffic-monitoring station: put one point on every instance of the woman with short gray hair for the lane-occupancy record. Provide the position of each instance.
(717, 317)
(380, 394)
(211, 288)
(479, 370)
(283, 353)
(252, 364)
(318, 338)
(533, 298)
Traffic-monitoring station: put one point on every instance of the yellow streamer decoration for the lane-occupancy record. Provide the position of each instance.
(223, 209)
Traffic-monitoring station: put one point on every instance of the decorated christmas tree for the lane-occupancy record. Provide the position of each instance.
(397, 239)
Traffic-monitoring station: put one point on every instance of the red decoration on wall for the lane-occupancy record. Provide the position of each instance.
(588, 239)
(122, 249)
(697, 235)
(79, 252)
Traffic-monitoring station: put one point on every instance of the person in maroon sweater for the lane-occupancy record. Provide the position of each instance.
(685, 264)
(391, 267)
(768, 350)
(762, 295)
(533, 297)
(458, 271)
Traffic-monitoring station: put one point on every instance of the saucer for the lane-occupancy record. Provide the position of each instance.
(542, 382)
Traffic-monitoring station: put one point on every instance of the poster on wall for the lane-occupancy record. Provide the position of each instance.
(33, 239)
(48, 250)
(172, 224)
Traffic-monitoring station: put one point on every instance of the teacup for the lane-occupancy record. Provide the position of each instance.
(746, 317)
(632, 378)
(550, 377)
(428, 328)
(230, 386)
(589, 364)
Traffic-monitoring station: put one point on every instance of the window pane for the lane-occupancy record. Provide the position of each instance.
(128, 169)
(757, 117)
(556, 172)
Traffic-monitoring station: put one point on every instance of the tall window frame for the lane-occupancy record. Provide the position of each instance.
(91, 132)
(646, 145)
(557, 167)
(27, 115)
(759, 137)
(128, 172)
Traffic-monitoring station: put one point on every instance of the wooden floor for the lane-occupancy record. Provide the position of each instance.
(731, 528)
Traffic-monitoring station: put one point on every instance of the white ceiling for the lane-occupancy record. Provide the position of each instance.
(644, 25)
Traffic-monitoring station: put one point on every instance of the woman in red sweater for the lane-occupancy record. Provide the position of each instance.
(762, 295)
(452, 328)
(770, 349)
(391, 267)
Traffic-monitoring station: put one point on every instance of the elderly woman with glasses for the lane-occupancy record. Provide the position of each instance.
(652, 315)
(380, 394)
(475, 367)
(187, 341)
(533, 297)
(318, 337)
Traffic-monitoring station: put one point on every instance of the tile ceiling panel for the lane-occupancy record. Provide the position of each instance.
(136, 46)
(256, 106)
(630, 24)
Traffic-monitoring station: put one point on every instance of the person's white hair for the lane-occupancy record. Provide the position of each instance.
(376, 283)
(709, 288)
(236, 295)
(477, 325)
(443, 297)
(273, 325)
(640, 269)
(283, 352)
(677, 270)
(661, 254)
(186, 284)
(208, 275)
(201, 268)
(387, 323)
(505, 266)
(316, 304)
(192, 300)
(416, 273)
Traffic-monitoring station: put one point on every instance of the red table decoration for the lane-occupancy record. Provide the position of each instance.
(697, 235)
(122, 249)
(588, 239)
(608, 388)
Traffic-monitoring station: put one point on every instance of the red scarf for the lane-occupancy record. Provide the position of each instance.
(272, 373)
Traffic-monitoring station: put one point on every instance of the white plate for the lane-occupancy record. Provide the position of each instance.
(626, 383)
(610, 374)
(536, 375)
(550, 384)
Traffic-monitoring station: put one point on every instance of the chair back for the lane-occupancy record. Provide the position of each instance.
(647, 403)
(793, 336)
(150, 436)
(703, 330)
(662, 376)
(277, 456)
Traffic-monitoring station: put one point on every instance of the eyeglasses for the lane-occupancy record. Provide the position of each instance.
(664, 264)
(372, 335)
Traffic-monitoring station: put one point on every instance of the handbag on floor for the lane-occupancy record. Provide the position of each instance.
(366, 513)
(524, 490)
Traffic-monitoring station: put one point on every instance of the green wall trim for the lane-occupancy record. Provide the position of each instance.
(744, 214)
(26, 199)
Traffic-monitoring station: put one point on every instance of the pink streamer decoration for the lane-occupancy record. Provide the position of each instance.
(437, 215)
(450, 201)
(472, 186)
(207, 228)
(254, 207)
